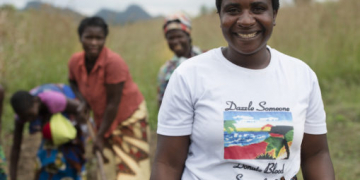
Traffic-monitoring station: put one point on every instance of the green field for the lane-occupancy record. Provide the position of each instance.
(35, 47)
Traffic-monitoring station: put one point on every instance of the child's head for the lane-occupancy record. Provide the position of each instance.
(25, 105)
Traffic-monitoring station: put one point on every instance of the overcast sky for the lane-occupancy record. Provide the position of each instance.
(154, 7)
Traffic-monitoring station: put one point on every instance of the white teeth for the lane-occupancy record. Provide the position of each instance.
(247, 35)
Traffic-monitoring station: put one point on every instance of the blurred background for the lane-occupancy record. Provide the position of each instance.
(37, 39)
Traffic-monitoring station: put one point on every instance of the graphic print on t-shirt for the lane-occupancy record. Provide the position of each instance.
(257, 135)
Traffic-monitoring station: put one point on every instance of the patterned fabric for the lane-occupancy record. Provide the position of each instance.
(128, 149)
(36, 125)
(57, 163)
(168, 68)
(55, 101)
(2, 164)
(177, 21)
(67, 160)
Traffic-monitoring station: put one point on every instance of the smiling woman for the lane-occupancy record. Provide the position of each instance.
(200, 137)
(177, 30)
(247, 28)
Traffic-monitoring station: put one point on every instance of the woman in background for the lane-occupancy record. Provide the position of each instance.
(245, 111)
(177, 30)
(101, 79)
(2, 155)
(38, 107)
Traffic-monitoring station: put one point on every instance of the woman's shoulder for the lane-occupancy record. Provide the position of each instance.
(75, 58)
(110, 54)
(290, 61)
(203, 59)
(113, 58)
(77, 55)
(202, 63)
(294, 67)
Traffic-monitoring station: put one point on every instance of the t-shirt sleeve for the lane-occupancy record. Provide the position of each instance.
(176, 113)
(116, 70)
(316, 117)
(55, 101)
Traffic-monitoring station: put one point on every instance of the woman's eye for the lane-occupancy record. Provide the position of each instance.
(258, 9)
(233, 10)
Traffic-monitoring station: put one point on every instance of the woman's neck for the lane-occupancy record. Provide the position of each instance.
(90, 59)
(258, 60)
(90, 63)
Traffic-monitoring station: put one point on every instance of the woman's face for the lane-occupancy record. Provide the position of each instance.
(32, 113)
(179, 42)
(93, 40)
(247, 24)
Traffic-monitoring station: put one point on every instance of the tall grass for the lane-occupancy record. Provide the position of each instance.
(36, 45)
(326, 36)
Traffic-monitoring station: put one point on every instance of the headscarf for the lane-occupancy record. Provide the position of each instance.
(177, 21)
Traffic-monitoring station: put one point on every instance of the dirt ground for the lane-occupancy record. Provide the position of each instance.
(26, 165)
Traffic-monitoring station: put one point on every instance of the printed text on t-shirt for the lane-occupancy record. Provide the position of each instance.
(262, 107)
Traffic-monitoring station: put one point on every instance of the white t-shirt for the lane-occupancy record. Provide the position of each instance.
(244, 124)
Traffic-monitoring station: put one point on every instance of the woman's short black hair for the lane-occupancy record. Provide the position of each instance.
(275, 5)
(93, 21)
(21, 101)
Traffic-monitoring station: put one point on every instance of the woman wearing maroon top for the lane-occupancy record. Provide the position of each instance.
(101, 79)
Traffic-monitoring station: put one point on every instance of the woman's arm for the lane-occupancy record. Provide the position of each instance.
(315, 158)
(15, 149)
(170, 156)
(74, 87)
(82, 109)
(75, 107)
(113, 97)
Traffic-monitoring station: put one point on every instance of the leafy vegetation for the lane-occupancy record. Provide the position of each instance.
(229, 126)
(275, 144)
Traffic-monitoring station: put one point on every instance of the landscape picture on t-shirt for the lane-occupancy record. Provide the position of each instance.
(257, 135)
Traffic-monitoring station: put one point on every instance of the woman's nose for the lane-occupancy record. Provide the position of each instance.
(94, 41)
(246, 19)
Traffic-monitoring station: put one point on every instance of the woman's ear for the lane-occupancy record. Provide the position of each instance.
(274, 17)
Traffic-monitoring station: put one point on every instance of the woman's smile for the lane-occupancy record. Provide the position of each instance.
(249, 35)
(246, 26)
